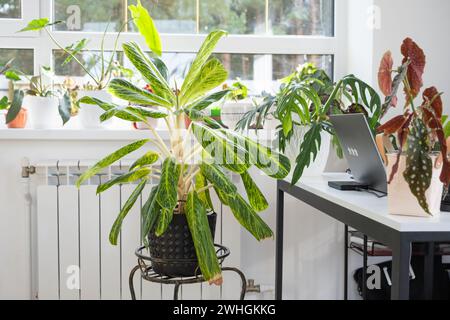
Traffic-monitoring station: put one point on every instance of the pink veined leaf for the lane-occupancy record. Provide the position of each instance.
(385, 74)
(437, 106)
(392, 125)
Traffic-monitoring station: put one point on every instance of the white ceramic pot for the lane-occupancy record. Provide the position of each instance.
(89, 115)
(142, 126)
(318, 166)
(43, 112)
(402, 202)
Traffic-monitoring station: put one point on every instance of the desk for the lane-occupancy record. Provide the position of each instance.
(368, 214)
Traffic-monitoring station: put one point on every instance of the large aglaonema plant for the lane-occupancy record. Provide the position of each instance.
(184, 185)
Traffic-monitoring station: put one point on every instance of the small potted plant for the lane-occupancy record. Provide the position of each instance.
(419, 166)
(15, 116)
(89, 117)
(302, 107)
(179, 206)
(48, 107)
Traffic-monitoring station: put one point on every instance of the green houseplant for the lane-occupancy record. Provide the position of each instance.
(15, 116)
(98, 67)
(305, 100)
(418, 133)
(183, 190)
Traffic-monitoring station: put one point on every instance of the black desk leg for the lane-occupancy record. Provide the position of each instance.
(364, 273)
(428, 271)
(279, 246)
(346, 262)
(401, 255)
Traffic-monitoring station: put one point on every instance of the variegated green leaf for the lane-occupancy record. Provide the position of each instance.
(164, 220)
(142, 62)
(202, 57)
(211, 75)
(419, 166)
(223, 198)
(215, 175)
(115, 230)
(146, 27)
(249, 219)
(127, 91)
(125, 178)
(146, 160)
(205, 197)
(204, 103)
(255, 196)
(224, 150)
(203, 240)
(167, 196)
(150, 214)
(112, 110)
(109, 160)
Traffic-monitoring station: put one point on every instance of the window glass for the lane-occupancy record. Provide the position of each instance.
(285, 64)
(23, 59)
(301, 17)
(235, 16)
(10, 9)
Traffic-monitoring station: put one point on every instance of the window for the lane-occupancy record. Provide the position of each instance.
(267, 38)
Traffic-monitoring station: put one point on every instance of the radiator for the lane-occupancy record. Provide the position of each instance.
(74, 257)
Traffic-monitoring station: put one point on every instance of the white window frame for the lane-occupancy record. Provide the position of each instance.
(9, 27)
(243, 44)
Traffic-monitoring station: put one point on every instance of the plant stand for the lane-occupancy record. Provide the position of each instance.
(148, 274)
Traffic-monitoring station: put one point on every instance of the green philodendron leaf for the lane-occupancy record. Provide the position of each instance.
(202, 57)
(249, 219)
(125, 90)
(75, 49)
(211, 75)
(308, 151)
(125, 178)
(419, 165)
(203, 240)
(150, 214)
(146, 27)
(109, 160)
(11, 75)
(142, 62)
(36, 25)
(65, 108)
(215, 175)
(145, 112)
(146, 160)
(4, 103)
(115, 230)
(16, 106)
(205, 196)
(254, 194)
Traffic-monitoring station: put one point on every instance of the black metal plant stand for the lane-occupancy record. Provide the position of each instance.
(147, 273)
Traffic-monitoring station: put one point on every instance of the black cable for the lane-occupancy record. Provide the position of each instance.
(378, 195)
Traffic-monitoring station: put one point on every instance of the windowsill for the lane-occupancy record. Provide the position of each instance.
(99, 135)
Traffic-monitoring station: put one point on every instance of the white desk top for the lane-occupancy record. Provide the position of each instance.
(370, 206)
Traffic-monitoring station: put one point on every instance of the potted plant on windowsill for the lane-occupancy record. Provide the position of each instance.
(15, 116)
(419, 167)
(188, 171)
(89, 117)
(302, 107)
(49, 108)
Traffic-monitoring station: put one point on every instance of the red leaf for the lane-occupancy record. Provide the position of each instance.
(385, 74)
(402, 134)
(430, 94)
(412, 52)
(392, 125)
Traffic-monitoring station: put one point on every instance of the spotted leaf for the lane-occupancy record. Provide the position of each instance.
(419, 165)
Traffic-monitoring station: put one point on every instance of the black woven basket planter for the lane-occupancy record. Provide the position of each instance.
(173, 254)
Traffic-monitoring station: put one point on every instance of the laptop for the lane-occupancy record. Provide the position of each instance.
(360, 150)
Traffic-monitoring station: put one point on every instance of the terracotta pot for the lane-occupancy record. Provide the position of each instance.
(187, 121)
(402, 202)
(20, 121)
